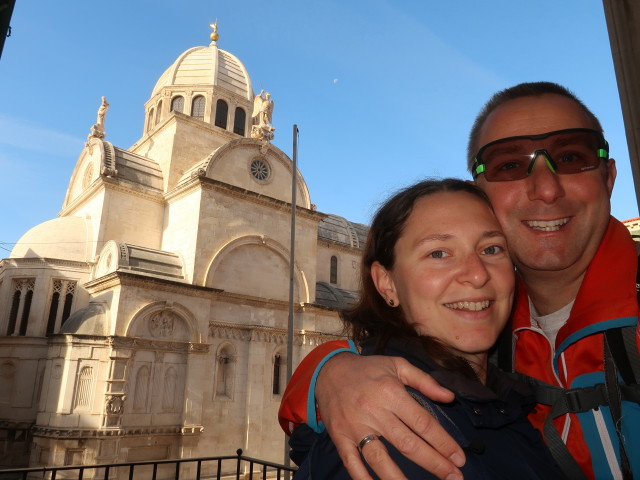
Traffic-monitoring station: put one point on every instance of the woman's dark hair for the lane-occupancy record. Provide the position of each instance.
(372, 317)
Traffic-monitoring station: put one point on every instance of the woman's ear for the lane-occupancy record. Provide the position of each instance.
(384, 283)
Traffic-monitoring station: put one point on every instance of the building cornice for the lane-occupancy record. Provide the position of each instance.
(339, 246)
(205, 183)
(120, 278)
(40, 262)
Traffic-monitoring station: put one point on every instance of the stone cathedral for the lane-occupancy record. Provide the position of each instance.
(149, 319)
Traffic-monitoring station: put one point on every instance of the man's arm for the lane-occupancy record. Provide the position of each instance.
(359, 396)
(298, 403)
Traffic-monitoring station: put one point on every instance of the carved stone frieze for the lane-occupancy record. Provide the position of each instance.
(69, 433)
(156, 345)
(256, 333)
(228, 332)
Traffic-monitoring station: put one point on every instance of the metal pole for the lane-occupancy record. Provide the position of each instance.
(294, 175)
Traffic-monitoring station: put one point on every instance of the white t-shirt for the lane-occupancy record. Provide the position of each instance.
(552, 323)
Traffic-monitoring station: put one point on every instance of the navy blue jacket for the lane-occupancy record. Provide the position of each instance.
(488, 421)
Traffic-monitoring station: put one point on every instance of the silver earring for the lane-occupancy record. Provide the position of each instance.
(391, 303)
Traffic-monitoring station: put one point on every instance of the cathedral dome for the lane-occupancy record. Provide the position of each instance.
(89, 320)
(63, 238)
(207, 67)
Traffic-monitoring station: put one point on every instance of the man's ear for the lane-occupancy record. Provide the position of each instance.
(612, 172)
(384, 283)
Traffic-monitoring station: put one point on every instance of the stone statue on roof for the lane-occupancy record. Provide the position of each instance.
(97, 130)
(102, 112)
(263, 113)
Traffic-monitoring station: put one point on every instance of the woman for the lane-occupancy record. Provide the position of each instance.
(437, 288)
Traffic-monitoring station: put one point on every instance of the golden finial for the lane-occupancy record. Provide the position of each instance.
(214, 35)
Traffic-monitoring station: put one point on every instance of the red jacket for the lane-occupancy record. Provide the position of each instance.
(606, 299)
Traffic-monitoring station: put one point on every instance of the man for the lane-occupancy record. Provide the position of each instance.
(576, 267)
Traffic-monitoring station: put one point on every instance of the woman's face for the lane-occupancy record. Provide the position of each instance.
(452, 276)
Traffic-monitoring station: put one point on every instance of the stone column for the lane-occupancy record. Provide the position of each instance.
(623, 24)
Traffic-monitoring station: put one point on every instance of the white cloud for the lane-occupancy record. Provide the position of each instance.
(20, 133)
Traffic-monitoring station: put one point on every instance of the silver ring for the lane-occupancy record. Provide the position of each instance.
(365, 440)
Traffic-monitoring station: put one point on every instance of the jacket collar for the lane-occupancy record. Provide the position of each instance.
(607, 296)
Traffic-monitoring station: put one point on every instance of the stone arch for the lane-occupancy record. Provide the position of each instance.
(236, 268)
(268, 151)
(164, 321)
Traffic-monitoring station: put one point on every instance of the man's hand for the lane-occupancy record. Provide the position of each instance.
(362, 395)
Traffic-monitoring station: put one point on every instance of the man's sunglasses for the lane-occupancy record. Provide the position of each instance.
(565, 152)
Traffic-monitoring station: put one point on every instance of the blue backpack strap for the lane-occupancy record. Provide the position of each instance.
(621, 358)
(615, 402)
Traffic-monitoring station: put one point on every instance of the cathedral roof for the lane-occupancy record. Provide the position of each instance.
(138, 169)
(207, 66)
(64, 237)
(124, 257)
(333, 297)
(340, 230)
(89, 320)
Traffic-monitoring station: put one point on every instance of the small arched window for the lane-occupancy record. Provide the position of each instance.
(279, 380)
(150, 120)
(53, 310)
(25, 312)
(61, 302)
(159, 112)
(333, 270)
(177, 104)
(13, 315)
(20, 306)
(222, 110)
(239, 121)
(197, 107)
(68, 300)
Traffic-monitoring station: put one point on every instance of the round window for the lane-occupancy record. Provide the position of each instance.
(260, 170)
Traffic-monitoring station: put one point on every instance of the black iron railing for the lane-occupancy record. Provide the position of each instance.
(228, 467)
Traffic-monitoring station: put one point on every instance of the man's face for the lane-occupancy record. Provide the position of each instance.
(552, 222)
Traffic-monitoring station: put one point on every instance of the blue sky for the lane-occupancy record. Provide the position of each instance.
(383, 92)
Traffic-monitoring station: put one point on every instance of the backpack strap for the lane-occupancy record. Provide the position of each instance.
(615, 405)
(563, 401)
(622, 342)
(504, 349)
(620, 358)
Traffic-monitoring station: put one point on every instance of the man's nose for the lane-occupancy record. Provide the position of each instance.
(543, 183)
